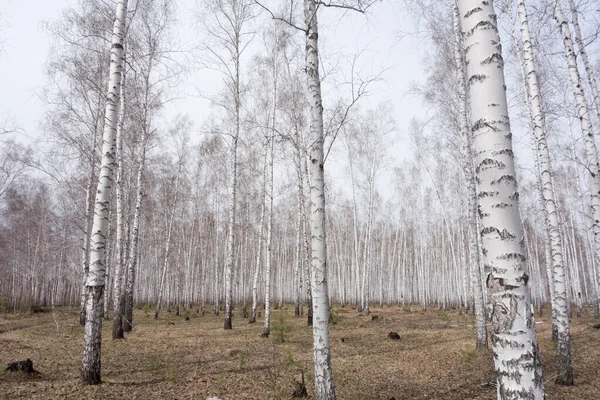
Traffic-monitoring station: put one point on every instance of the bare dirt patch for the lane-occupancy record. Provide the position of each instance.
(177, 359)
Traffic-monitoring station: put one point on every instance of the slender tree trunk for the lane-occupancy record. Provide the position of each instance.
(589, 70)
(91, 366)
(259, 250)
(299, 272)
(268, 261)
(324, 386)
(516, 354)
(165, 270)
(565, 370)
(227, 324)
(118, 293)
(85, 256)
(134, 239)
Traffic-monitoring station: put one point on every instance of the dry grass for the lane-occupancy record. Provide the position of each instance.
(176, 359)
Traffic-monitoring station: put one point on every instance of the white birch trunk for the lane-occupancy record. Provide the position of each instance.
(91, 367)
(516, 354)
(227, 324)
(588, 135)
(85, 256)
(586, 124)
(565, 370)
(258, 261)
(589, 70)
(165, 270)
(134, 239)
(118, 292)
(324, 386)
(474, 259)
(268, 261)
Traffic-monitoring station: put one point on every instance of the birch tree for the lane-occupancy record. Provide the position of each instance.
(565, 370)
(591, 151)
(516, 354)
(91, 369)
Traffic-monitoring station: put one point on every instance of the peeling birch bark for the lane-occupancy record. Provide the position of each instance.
(516, 354)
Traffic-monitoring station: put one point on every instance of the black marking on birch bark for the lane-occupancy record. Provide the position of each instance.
(504, 234)
(477, 78)
(514, 196)
(473, 11)
(501, 205)
(494, 58)
(481, 195)
(494, 105)
(523, 278)
(489, 163)
(513, 256)
(505, 342)
(483, 25)
(506, 179)
(508, 152)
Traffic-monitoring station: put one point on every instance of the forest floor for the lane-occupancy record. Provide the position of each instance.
(171, 358)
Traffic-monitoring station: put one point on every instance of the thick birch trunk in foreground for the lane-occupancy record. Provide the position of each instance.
(324, 387)
(565, 370)
(481, 341)
(591, 151)
(516, 354)
(91, 371)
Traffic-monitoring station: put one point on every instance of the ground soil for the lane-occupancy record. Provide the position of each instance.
(172, 358)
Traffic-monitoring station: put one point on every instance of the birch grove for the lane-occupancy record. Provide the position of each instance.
(247, 159)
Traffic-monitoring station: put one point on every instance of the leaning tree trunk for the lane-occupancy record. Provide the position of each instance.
(324, 386)
(91, 366)
(583, 111)
(481, 341)
(565, 370)
(516, 354)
